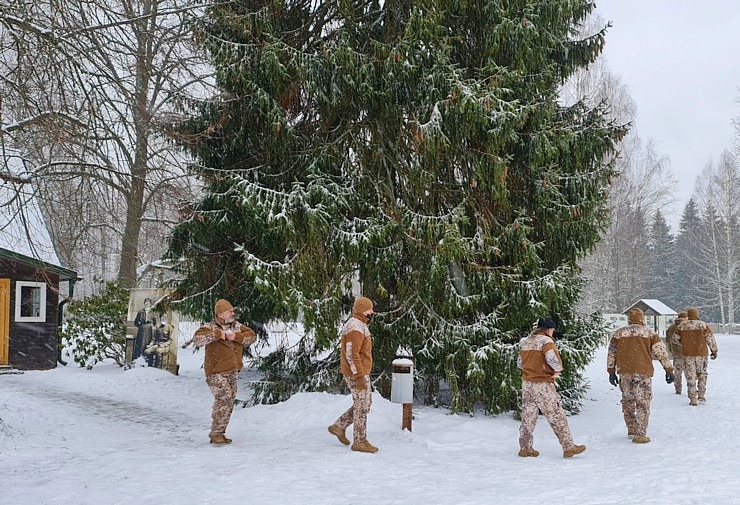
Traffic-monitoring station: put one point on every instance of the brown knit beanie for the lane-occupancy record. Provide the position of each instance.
(222, 306)
(636, 316)
(362, 305)
(693, 313)
(683, 315)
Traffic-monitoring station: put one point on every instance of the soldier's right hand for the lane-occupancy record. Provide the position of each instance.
(714, 355)
(613, 379)
(361, 382)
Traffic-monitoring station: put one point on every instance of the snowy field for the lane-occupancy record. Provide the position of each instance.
(140, 437)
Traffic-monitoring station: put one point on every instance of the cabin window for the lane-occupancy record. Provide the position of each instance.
(30, 301)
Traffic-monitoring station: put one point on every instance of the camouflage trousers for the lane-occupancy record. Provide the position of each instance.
(223, 387)
(679, 368)
(362, 399)
(542, 397)
(696, 375)
(637, 392)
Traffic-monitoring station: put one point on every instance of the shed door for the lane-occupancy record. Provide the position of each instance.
(4, 319)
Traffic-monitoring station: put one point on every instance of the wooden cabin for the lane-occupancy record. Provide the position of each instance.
(30, 310)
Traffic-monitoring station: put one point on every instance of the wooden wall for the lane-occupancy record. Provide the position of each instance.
(32, 345)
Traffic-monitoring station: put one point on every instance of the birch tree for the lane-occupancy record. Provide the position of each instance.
(618, 269)
(718, 187)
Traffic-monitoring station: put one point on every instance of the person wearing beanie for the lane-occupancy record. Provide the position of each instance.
(695, 336)
(674, 350)
(356, 348)
(541, 365)
(224, 340)
(630, 355)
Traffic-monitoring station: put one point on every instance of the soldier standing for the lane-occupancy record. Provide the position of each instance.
(630, 354)
(224, 340)
(674, 350)
(694, 336)
(541, 366)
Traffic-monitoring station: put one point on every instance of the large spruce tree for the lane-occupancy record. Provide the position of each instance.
(416, 149)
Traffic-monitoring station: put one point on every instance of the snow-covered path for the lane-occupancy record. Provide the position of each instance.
(111, 437)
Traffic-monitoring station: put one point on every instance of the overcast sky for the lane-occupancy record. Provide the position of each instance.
(680, 60)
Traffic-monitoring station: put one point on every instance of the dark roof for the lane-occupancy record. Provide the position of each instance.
(64, 274)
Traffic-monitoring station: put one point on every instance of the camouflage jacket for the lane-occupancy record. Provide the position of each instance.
(631, 351)
(695, 336)
(222, 355)
(539, 358)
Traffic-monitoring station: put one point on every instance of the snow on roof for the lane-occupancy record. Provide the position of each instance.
(22, 225)
(657, 306)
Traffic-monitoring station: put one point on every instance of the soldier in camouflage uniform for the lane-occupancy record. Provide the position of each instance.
(630, 355)
(694, 336)
(224, 340)
(674, 350)
(356, 364)
(541, 366)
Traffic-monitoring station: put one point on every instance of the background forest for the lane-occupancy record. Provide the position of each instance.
(471, 166)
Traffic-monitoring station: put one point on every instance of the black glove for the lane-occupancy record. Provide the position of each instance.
(613, 379)
(669, 377)
(714, 354)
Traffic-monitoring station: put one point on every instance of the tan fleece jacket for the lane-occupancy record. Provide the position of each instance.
(631, 351)
(695, 336)
(539, 358)
(356, 347)
(223, 356)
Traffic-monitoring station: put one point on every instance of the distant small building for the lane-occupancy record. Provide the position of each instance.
(30, 310)
(658, 315)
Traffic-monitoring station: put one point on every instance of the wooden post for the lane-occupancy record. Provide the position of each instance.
(406, 422)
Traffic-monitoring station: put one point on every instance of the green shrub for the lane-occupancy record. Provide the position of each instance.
(94, 328)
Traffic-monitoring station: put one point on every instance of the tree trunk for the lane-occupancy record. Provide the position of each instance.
(139, 172)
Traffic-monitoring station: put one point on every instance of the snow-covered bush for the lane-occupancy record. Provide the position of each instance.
(94, 328)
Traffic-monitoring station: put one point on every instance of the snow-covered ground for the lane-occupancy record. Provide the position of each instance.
(140, 437)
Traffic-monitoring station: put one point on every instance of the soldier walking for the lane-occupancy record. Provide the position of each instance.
(541, 366)
(674, 350)
(356, 364)
(224, 339)
(630, 355)
(695, 336)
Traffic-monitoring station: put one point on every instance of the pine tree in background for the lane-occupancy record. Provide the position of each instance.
(688, 250)
(418, 148)
(662, 263)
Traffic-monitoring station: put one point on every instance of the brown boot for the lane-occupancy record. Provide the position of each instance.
(692, 402)
(218, 438)
(702, 398)
(640, 439)
(576, 449)
(364, 446)
(339, 433)
(528, 453)
(228, 440)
